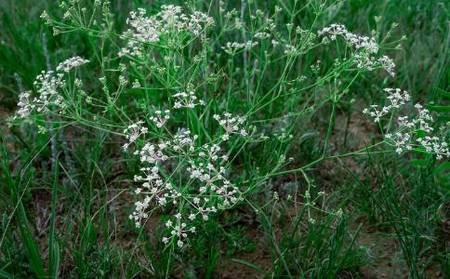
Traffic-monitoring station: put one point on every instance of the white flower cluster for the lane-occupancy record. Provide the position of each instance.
(71, 63)
(357, 41)
(177, 230)
(290, 49)
(160, 118)
(265, 32)
(25, 104)
(366, 48)
(179, 171)
(187, 100)
(232, 48)
(231, 124)
(262, 35)
(435, 145)
(412, 131)
(396, 98)
(133, 132)
(149, 29)
(209, 169)
(386, 63)
(48, 85)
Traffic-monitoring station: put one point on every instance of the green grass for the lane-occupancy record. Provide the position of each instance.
(323, 195)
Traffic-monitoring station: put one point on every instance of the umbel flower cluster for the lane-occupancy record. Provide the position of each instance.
(366, 48)
(411, 132)
(178, 171)
(48, 86)
(396, 98)
(170, 20)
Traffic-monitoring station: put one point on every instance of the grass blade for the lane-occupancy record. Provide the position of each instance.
(26, 234)
(54, 256)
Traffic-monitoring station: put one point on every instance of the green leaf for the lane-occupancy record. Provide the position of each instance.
(439, 108)
(443, 93)
(419, 163)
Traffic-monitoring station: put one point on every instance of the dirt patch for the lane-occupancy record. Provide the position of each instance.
(236, 267)
(352, 134)
(385, 257)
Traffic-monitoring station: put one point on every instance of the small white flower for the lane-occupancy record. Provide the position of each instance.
(231, 125)
(71, 63)
(133, 132)
(25, 104)
(160, 118)
(186, 100)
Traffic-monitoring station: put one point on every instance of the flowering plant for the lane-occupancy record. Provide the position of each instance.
(190, 105)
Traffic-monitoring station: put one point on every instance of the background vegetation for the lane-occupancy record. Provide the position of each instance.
(71, 220)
